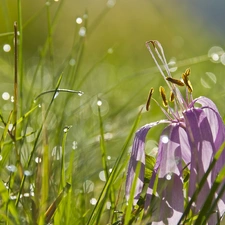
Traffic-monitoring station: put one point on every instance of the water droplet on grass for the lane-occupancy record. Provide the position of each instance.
(6, 48)
(27, 173)
(72, 62)
(111, 3)
(82, 31)
(37, 159)
(93, 201)
(79, 20)
(214, 53)
(102, 176)
(99, 102)
(6, 96)
(80, 93)
(74, 145)
(11, 168)
(88, 186)
(0, 157)
(66, 129)
(57, 152)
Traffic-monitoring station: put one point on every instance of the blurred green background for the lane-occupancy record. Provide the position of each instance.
(103, 54)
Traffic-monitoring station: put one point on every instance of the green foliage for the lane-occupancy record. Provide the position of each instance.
(70, 118)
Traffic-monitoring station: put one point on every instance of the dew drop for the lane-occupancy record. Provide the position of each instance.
(222, 59)
(108, 205)
(6, 48)
(72, 62)
(12, 98)
(88, 186)
(102, 176)
(6, 96)
(164, 139)
(80, 93)
(168, 176)
(214, 53)
(10, 127)
(109, 157)
(79, 20)
(93, 201)
(85, 16)
(110, 51)
(11, 168)
(57, 152)
(0, 157)
(99, 102)
(27, 173)
(66, 129)
(56, 94)
(37, 159)
(26, 195)
(74, 145)
(111, 3)
(82, 31)
(39, 105)
(110, 170)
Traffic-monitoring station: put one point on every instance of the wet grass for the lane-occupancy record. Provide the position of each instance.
(69, 120)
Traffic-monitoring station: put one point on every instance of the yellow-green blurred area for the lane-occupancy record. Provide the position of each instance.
(99, 46)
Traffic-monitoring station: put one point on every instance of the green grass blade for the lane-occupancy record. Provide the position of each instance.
(116, 169)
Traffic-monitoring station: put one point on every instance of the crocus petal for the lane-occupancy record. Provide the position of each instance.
(202, 149)
(216, 123)
(170, 200)
(138, 155)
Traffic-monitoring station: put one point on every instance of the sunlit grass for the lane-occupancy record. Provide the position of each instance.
(83, 113)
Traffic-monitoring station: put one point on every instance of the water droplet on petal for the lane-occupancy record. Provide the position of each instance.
(88, 186)
(102, 176)
(11, 168)
(82, 31)
(6, 96)
(169, 176)
(93, 201)
(6, 48)
(164, 139)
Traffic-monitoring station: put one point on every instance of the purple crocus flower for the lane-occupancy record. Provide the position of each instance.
(193, 134)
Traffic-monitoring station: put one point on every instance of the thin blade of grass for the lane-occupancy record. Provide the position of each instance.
(116, 169)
